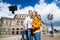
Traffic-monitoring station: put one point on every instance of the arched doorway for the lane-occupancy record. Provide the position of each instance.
(13, 31)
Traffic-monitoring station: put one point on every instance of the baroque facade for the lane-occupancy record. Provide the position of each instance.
(12, 26)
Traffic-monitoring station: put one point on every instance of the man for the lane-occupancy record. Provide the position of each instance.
(27, 24)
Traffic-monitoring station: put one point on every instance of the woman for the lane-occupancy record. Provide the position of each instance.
(36, 26)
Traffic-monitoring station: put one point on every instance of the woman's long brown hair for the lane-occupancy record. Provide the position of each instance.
(36, 14)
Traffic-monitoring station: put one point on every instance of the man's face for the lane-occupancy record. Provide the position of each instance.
(30, 13)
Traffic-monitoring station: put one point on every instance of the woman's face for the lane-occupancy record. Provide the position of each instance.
(34, 14)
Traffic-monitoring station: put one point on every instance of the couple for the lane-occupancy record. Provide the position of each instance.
(32, 26)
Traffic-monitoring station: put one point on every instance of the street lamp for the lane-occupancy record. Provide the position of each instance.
(50, 17)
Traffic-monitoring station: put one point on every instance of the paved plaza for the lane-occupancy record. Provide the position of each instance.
(43, 37)
(16, 37)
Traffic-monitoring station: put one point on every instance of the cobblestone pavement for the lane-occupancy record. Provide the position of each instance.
(43, 37)
(16, 37)
(48, 37)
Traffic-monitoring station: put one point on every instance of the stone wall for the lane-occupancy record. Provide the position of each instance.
(11, 30)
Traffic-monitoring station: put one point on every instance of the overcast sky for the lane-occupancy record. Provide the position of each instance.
(43, 7)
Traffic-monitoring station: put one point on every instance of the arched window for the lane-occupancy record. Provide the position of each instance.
(13, 29)
(17, 29)
(12, 32)
(22, 15)
(17, 32)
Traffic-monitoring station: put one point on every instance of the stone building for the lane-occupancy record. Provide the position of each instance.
(44, 28)
(12, 26)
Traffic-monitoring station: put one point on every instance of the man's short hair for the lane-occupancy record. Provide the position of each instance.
(29, 10)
